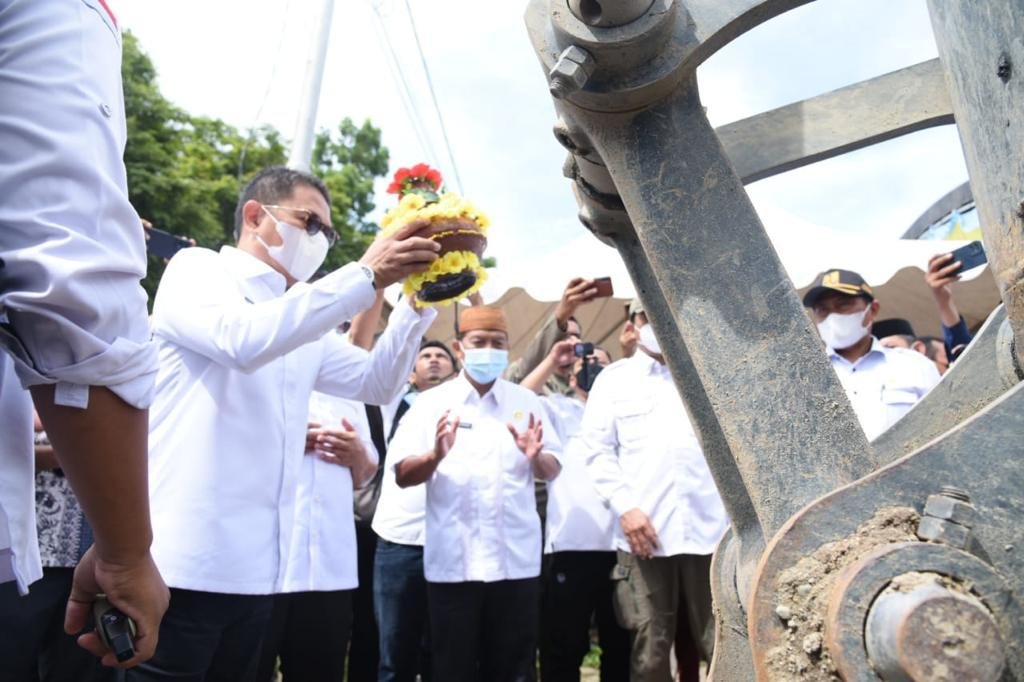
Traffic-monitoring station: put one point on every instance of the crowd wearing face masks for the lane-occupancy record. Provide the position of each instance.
(260, 482)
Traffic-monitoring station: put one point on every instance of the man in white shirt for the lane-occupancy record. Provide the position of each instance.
(477, 442)
(313, 614)
(243, 342)
(72, 312)
(579, 545)
(399, 584)
(648, 466)
(881, 383)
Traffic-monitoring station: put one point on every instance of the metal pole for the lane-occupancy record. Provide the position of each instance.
(302, 147)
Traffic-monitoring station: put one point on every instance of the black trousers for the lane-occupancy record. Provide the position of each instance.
(484, 631)
(309, 632)
(364, 649)
(577, 591)
(208, 637)
(33, 644)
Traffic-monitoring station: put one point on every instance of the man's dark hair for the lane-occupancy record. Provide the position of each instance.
(929, 343)
(432, 343)
(274, 184)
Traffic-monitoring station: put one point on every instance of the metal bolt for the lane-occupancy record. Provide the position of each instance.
(955, 493)
(948, 518)
(571, 72)
(1004, 69)
(945, 532)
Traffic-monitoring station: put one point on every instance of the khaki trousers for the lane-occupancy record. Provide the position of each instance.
(651, 597)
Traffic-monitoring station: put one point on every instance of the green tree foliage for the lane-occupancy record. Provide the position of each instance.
(185, 172)
(348, 159)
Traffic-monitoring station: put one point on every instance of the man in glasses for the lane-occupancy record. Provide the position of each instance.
(243, 341)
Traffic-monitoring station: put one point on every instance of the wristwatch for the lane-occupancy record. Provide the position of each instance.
(370, 274)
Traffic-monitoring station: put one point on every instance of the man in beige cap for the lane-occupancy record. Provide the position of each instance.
(478, 442)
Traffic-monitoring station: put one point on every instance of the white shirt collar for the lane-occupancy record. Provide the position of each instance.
(245, 267)
(468, 391)
(649, 365)
(876, 347)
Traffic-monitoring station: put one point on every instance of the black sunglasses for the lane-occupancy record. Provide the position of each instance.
(313, 223)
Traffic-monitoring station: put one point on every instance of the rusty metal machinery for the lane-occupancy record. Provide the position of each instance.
(899, 559)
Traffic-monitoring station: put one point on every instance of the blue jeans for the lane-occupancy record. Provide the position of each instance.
(400, 604)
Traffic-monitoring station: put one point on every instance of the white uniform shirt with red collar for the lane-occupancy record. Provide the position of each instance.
(482, 522)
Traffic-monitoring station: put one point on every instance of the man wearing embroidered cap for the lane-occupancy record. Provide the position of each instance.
(881, 383)
(477, 442)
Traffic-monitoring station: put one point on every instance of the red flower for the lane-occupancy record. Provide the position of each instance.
(421, 176)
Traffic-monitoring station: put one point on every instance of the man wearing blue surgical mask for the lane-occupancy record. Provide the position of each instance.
(243, 341)
(881, 383)
(478, 442)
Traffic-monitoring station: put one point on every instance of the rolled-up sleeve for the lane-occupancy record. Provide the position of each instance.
(72, 311)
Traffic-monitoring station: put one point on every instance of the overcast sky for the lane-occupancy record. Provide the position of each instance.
(243, 61)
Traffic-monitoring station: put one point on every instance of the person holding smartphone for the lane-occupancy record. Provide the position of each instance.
(943, 271)
(561, 325)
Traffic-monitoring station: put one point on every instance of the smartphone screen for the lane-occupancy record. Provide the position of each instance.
(164, 244)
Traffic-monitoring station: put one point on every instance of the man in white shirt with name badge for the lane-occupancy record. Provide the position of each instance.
(647, 464)
(881, 383)
(477, 442)
(243, 342)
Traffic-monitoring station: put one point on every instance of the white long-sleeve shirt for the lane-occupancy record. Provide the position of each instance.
(482, 522)
(577, 519)
(884, 384)
(239, 359)
(19, 547)
(323, 548)
(642, 453)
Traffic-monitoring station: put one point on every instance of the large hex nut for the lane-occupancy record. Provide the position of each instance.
(951, 509)
(571, 72)
(932, 529)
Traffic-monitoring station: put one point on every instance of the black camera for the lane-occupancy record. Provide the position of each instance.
(115, 628)
(583, 350)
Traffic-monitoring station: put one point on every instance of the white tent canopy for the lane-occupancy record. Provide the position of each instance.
(895, 268)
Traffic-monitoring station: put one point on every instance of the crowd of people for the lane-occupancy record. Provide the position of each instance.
(266, 487)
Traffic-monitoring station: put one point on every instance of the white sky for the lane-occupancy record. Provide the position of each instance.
(243, 61)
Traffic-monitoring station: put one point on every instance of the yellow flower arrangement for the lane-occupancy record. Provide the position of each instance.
(415, 207)
(450, 263)
(421, 198)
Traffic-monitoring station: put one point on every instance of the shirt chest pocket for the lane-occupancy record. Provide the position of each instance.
(632, 420)
(898, 397)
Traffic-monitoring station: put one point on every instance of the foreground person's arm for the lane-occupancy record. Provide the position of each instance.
(103, 452)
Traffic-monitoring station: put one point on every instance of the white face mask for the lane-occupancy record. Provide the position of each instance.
(299, 253)
(842, 331)
(648, 340)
